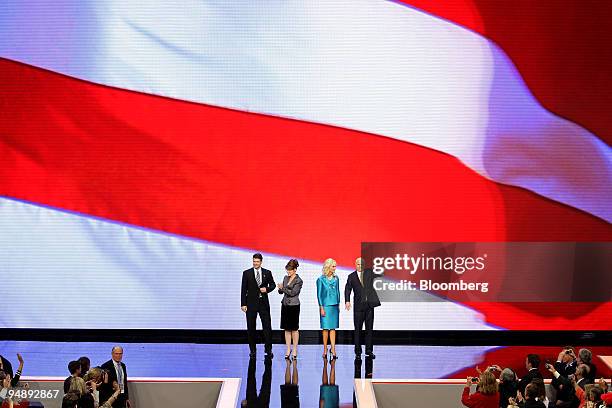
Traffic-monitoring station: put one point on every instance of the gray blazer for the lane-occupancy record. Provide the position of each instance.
(291, 292)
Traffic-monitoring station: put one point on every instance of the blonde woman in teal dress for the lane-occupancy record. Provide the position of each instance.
(328, 294)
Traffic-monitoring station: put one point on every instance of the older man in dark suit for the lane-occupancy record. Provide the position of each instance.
(117, 373)
(361, 282)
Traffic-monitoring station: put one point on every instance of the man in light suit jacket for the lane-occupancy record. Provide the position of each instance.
(361, 282)
(117, 372)
(257, 282)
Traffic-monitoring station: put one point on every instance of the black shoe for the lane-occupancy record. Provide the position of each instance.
(371, 355)
(252, 354)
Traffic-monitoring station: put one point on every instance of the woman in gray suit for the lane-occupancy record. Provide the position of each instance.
(290, 306)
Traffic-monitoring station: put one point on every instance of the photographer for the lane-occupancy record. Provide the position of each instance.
(486, 395)
(568, 396)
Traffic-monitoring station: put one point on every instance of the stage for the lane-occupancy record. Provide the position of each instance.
(189, 361)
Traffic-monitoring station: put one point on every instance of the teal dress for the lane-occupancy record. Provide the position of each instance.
(328, 294)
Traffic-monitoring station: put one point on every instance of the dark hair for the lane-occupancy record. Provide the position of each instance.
(595, 394)
(86, 401)
(85, 362)
(3, 375)
(70, 400)
(258, 256)
(73, 366)
(292, 264)
(532, 391)
(534, 360)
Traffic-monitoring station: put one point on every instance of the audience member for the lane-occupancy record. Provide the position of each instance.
(508, 385)
(585, 356)
(85, 365)
(581, 375)
(7, 367)
(74, 368)
(486, 395)
(532, 364)
(566, 396)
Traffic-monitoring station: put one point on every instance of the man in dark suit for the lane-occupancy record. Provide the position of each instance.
(566, 367)
(532, 363)
(361, 282)
(257, 282)
(261, 400)
(117, 372)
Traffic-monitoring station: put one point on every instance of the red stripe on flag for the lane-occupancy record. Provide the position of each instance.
(250, 180)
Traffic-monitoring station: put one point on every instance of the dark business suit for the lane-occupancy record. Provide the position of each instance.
(365, 299)
(564, 393)
(524, 382)
(257, 302)
(261, 400)
(106, 390)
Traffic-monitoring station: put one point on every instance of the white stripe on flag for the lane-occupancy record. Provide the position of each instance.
(62, 269)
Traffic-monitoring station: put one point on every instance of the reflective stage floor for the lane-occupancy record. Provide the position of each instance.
(261, 381)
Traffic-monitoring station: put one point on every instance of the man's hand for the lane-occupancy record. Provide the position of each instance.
(128, 404)
(244, 308)
(468, 383)
(550, 368)
(263, 290)
(279, 285)
(560, 357)
(347, 305)
(322, 311)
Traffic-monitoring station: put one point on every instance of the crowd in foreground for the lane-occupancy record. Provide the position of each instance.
(574, 384)
(104, 386)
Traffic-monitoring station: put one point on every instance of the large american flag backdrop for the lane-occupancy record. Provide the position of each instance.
(149, 148)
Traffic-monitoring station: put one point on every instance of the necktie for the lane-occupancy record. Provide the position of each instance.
(258, 278)
(120, 376)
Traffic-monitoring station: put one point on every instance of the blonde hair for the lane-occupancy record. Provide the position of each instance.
(487, 383)
(329, 262)
(77, 384)
(94, 373)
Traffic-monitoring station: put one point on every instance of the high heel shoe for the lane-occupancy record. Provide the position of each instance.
(287, 357)
(333, 357)
(294, 357)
